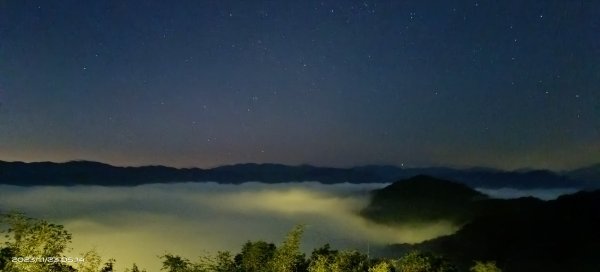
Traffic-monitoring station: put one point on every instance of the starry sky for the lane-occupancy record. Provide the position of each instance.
(507, 84)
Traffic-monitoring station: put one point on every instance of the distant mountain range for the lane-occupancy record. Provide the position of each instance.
(95, 173)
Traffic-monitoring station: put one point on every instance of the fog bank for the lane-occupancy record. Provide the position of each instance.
(136, 224)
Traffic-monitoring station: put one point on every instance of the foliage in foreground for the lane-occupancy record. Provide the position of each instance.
(28, 237)
(485, 267)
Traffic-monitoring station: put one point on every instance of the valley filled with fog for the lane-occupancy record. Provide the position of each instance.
(137, 224)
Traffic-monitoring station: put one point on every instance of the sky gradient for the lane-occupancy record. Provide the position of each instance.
(506, 84)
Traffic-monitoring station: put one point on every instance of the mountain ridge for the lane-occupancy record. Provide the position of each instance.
(524, 234)
(423, 199)
(98, 173)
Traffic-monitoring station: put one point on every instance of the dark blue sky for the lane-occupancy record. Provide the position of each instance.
(507, 84)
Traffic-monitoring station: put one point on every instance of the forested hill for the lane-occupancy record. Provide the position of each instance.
(525, 234)
(423, 199)
(95, 173)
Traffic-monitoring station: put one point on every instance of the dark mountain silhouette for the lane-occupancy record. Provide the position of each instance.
(86, 172)
(423, 199)
(90, 173)
(525, 234)
(94, 173)
(590, 175)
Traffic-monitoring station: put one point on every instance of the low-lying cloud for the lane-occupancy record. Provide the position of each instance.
(136, 224)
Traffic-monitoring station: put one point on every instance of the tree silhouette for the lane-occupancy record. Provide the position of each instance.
(222, 262)
(91, 263)
(287, 257)
(422, 262)
(349, 261)
(26, 237)
(174, 263)
(255, 256)
(381, 267)
(485, 267)
(134, 268)
(108, 266)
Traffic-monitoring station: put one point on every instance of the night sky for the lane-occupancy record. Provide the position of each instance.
(507, 84)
